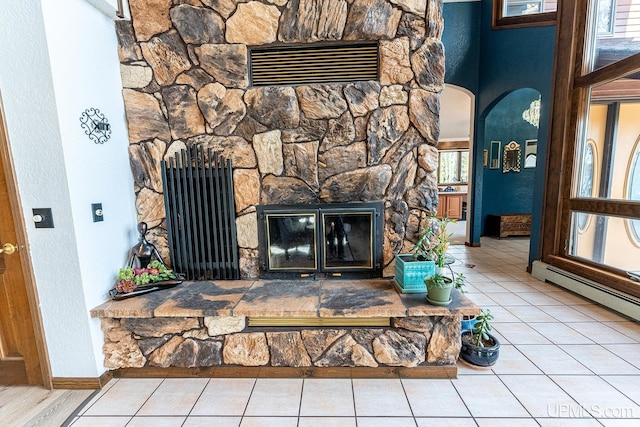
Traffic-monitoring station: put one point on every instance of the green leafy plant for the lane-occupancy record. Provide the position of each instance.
(437, 280)
(459, 282)
(433, 241)
(129, 278)
(481, 329)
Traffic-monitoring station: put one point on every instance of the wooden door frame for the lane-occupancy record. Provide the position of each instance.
(27, 269)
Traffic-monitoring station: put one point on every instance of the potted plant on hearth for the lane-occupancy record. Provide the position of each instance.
(439, 287)
(479, 346)
(427, 256)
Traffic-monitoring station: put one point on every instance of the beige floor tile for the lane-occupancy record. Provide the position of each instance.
(609, 422)
(629, 385)
(125, 397)
(566, 422)
(275, 397)
(517, 287)
(600, 360)
(538, 298)
(481, 299)
(629, 328)
(511, 361)
(539, 395)
(499, 403)
(327, 422)
(327, 397)
(565, 313)
(224, 396)
(552, 360)
(600, 313)
(595, 395)
(506, 299)
(434, 398)
(445, 422)
(175, 396)
(506, 422)
(87, 421)
(380, 397)
(489, 287)
(156, 422)
(269, 422)
(386, 422)
(601, 333)
(529, 313)
(97, 396)
(628, 352)
(212, 421)
(569, 298)
(559, 333)
(502, 315)
(520, 333)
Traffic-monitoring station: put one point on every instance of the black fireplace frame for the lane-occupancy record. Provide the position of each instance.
(321, 268)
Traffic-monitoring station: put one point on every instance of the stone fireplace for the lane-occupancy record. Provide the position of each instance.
(185, 68)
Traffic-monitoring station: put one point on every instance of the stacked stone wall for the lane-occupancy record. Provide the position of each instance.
(185, 73)
(226, 341)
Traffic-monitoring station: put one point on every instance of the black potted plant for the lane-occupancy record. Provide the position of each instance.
(479, 346)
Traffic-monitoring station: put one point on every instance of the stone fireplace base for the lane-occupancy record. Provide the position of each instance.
(314, 328)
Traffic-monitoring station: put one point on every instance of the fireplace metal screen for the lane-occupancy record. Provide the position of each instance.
(332, 240)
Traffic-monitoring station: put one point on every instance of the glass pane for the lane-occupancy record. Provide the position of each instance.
(634, 189)
(291, 243)
(349, 240)
(524, 7)
(586, 181)
(605, 158)
(605, 240)
(615, 31)
(453, 167)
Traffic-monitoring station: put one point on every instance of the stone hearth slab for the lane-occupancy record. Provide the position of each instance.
(361, 298)
(280, 298)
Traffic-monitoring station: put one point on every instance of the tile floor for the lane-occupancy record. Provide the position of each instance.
(564, 362)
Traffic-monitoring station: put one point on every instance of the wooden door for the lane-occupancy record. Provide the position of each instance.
(19, 360)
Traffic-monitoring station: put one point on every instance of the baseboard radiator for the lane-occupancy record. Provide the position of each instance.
(623, 303)
(200, 209)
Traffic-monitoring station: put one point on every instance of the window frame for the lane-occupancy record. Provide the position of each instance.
(572, 86)
(499, 21)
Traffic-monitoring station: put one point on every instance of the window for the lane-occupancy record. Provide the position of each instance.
(596, 101)
(522, 13)
(633, 190)
(586, 180)
(453, 167)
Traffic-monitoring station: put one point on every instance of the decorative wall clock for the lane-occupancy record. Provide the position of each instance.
(95, 125)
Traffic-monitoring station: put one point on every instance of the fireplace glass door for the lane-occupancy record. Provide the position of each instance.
(331, 239)
(292, 241)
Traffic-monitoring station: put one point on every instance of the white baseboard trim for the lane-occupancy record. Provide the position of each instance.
(611, 298)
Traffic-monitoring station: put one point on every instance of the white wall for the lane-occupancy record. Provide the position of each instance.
(63, 60)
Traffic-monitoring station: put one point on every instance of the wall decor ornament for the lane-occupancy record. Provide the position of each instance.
(494, 156)
(532, 114)
(95, 125)
(511, 157)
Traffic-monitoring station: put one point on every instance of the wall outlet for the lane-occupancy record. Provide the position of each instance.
(96, 210)
(42, 217)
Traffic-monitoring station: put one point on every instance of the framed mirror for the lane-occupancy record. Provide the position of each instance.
(530, 153)
(494, 155)
(511, 157)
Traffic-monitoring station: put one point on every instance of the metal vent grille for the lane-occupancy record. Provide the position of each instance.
(292, 65)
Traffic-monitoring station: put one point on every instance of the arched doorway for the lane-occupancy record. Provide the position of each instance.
(455, 149)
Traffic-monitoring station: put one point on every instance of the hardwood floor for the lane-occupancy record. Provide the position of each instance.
(36, 406)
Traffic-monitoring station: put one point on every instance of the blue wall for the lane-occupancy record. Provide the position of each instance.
(508, 60)
(462, 44)
(505, 124)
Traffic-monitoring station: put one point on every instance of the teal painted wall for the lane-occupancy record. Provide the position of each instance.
(508, 60)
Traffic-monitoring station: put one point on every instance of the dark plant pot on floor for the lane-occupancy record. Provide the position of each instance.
(479, 356)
